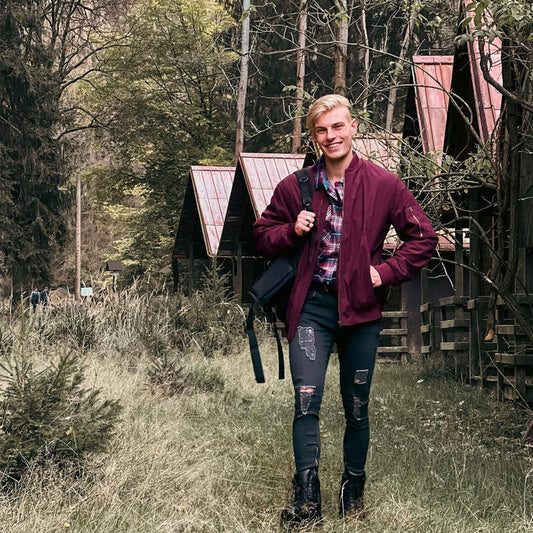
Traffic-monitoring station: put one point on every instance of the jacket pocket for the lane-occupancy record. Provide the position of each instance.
(382, 294)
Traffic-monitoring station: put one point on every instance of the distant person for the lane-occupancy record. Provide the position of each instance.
(338, 293)
(45, 298)
(35, 297)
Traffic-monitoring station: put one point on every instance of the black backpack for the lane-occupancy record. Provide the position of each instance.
(271, 290)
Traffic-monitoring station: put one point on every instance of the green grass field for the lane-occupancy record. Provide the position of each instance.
(444, 457)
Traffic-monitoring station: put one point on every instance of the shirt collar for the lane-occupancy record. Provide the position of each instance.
(321, 178)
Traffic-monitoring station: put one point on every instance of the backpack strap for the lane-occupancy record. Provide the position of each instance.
(281, 361)
(254, 348)
(306, 192)
(306, 188)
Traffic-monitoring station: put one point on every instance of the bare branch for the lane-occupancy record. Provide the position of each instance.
(485, 64)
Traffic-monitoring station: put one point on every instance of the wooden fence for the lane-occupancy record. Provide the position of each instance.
(455, 328)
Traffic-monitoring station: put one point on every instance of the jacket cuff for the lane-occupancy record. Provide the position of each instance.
(385, 273)
(294, 237)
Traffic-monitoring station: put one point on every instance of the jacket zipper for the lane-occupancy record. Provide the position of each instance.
(417, 221)
(339, 259)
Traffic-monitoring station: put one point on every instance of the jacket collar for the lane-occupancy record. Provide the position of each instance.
(321, 165)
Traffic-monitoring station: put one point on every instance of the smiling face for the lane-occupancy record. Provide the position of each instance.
(333, 131)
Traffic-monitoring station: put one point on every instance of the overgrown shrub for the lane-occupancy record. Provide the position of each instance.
(208, 321)
(76, 325)
(166, 375)
(169, 375)
(214, 320)
(47, 414)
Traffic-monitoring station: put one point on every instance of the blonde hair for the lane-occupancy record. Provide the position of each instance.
(324, 104)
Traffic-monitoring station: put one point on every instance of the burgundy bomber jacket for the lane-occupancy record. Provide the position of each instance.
(373, 200)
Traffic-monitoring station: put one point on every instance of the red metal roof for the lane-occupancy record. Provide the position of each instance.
(488, 100)
(256, 176)
(262, 172)
(204, 207)
(432, 77)
(212, 187)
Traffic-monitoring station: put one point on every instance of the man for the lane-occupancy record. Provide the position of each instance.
(45, 298)
(338, 292)
(34, 298)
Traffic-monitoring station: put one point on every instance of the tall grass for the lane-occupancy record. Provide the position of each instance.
(216, 455)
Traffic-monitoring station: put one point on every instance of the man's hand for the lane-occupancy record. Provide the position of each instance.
(375, 277)
(304, 223)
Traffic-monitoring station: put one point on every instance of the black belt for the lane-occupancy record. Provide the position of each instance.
(328, 288)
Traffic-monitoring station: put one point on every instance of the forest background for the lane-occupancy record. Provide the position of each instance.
(129, 94)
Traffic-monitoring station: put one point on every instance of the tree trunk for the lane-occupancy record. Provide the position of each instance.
(399, 66)
(341, 47)
(300, 78)
(506, 258)
(243, 81)
(511, 170)
(366, 56)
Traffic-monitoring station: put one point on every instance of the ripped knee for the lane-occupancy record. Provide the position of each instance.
(304, 395)
(306, 341)
(360, 409)
(355, 410)
(361, 377)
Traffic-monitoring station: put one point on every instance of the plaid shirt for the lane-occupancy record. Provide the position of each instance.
(326, 264)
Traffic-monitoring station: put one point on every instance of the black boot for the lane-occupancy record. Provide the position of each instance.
(351, 496)
(306, 510)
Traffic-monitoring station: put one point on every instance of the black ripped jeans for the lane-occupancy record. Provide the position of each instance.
(309, 353)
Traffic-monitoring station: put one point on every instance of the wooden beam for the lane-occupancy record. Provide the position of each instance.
(411, 300)
(191, 267)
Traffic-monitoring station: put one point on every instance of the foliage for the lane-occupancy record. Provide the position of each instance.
(508, 25)
(170, 376)
(76, 327)
(33, 170)
(45, 51)
(166, 100)
(161, 322)
(274, 28)
(166, 376)
(212, 317)
(164, 329)
(207, 322)
(47, 414)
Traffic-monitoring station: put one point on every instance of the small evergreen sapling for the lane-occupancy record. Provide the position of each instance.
(47, 414)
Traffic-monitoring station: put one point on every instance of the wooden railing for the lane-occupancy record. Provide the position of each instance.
(456, 328)
(393, 346)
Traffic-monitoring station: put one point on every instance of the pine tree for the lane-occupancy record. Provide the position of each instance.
(49, 415)
(31, 163)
